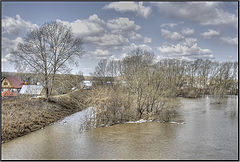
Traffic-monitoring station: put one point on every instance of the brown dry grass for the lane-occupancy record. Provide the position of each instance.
(24, 115)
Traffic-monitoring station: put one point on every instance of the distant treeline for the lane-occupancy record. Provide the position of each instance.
(204, 76)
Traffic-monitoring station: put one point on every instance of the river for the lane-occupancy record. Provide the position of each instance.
(203, 131)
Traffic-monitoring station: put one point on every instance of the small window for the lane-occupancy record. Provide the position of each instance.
(5, 83)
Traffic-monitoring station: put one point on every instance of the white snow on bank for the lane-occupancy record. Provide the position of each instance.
(173, 122)
(145, 121)
(139, 121)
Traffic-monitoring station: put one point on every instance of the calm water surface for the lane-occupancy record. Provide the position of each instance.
(210, 131)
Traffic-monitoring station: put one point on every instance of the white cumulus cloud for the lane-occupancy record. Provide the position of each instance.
(171, 35)
(122, 25)
(98, 53)
(95, 31)
(108, 40)
(113, 33)
(188, 50)
(8, 45)
(139, 37)
(210, 34)
(229, 40)
(16, 25)
(87, 27)
(7, 57)
(187, 31)
(136, 7)
(171, 25)
(147, 40)
(204, 13)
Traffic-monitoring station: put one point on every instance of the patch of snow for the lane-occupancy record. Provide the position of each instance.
(74, 88)
(139, 121)
(173, 122)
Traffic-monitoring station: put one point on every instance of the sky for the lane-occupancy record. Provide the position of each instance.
(110, 30)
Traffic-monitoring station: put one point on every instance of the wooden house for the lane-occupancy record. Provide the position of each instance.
(12, 85)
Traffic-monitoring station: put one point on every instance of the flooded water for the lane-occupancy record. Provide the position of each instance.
(202, 131)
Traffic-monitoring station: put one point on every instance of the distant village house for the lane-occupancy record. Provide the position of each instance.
(11, 86)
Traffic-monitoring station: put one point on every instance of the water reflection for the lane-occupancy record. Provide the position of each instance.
(210, 132)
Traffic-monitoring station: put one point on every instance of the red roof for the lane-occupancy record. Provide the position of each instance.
(15, 82)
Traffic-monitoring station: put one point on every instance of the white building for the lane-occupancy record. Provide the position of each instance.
(31, 89)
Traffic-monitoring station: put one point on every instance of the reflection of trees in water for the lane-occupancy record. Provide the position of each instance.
(231, 107)
(218, 100)
(233, 113)
(89, 120)
(228, 104)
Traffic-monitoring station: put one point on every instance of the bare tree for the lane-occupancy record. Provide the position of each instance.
(220, 81)
(113, 68)
(174, 71)
(101, 68)
(136, 70)
(235, 78)
(100, 71)
(192, 69)
(46, 51)
(80, 73)
(80, 77)
(203, 73)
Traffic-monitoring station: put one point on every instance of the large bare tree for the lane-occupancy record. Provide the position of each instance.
(46, 51)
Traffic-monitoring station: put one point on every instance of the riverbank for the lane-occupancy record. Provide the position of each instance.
(23, 115)
(209, 132)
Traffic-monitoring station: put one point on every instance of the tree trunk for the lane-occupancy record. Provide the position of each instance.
(52, 84)
(47, 89)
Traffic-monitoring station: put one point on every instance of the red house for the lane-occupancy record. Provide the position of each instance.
(11, 86)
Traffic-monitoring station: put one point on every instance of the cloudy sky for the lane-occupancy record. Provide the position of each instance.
(183, 30)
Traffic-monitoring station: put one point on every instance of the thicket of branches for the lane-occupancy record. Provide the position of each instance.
(140, 91)
(143, 89)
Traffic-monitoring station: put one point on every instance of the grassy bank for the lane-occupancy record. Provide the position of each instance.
(23, 115)
(114, 105)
